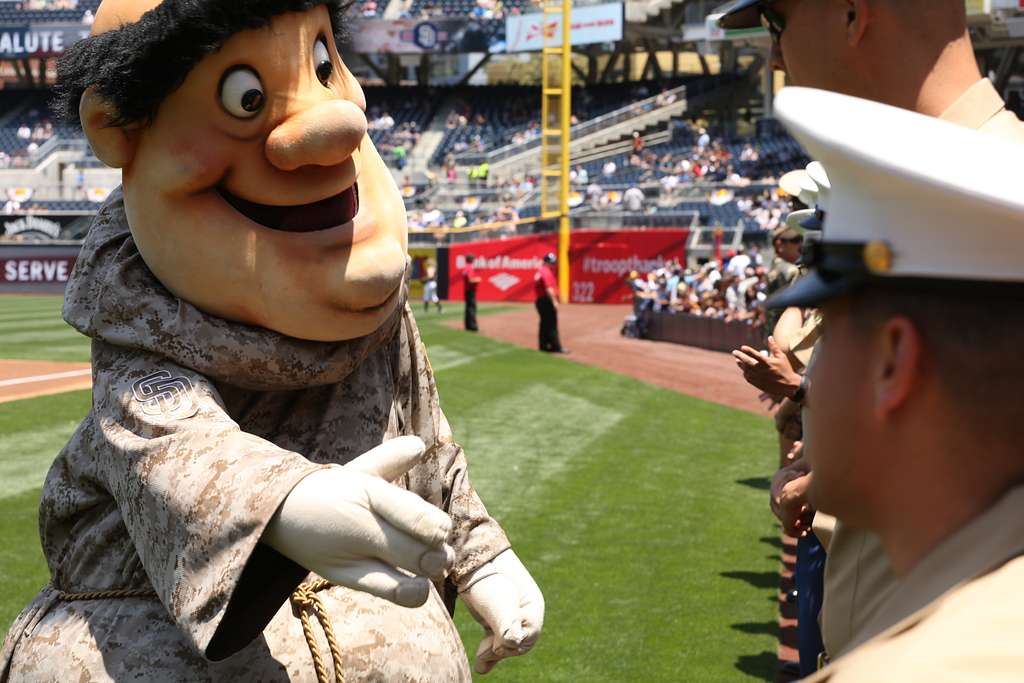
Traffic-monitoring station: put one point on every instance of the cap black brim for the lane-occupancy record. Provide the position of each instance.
(812, 290)
(739, 14)
(811, 223)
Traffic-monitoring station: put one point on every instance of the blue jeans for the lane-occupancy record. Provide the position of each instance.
(809, 578)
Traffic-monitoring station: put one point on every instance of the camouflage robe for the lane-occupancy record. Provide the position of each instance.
(199, 429)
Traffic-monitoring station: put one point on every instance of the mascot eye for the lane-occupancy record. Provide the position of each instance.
(241, 93)
(322, 59)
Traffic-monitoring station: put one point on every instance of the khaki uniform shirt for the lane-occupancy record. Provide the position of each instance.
(199, 429)
(860, 588)
(966, 610)
(782, 275)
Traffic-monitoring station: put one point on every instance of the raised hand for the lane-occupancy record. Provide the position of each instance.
(771, 372)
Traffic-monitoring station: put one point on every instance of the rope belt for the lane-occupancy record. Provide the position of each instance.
(106, 595)
(304, 598)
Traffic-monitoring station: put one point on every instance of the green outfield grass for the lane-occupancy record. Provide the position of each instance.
(640, 512)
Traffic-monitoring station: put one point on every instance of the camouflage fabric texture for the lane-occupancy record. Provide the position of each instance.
(199, 429)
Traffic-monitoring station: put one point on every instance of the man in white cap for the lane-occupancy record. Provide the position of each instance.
(913, 54)
(918, 375)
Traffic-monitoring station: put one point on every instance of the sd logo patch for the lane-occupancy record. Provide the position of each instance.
(162, 395)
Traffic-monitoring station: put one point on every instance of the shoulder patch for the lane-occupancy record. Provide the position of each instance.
(162, 395)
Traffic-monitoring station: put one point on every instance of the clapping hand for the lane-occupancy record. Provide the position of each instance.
(770, 371)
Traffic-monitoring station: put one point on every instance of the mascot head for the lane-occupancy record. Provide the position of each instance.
(251, 187)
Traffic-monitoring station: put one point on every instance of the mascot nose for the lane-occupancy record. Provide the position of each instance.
(325, 134)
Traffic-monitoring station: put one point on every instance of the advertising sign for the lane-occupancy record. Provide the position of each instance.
(456, 35)
(36, 269)
(596, 24)
(31, 227)
(505, 267)
(39, 41)
(599, 260)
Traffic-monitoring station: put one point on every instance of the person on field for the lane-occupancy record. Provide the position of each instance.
(545, 288)
(470, 281)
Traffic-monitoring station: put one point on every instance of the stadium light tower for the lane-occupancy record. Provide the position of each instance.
(556, 115)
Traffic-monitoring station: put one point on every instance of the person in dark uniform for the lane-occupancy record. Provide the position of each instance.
(545, 286)
(470, 280)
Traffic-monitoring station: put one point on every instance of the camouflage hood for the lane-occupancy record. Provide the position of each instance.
(112, 296)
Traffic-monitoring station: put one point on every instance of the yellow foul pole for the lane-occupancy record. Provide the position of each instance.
(556, 117)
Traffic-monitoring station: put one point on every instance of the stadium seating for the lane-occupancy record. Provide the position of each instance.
(411, 109)
(11, 13)
(507, 110)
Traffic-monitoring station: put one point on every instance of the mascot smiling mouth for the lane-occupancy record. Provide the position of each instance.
(322, 215)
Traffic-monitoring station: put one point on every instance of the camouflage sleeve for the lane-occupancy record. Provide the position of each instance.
(195, 493)
(443, 479)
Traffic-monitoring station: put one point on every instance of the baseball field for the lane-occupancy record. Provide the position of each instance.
(640, 511)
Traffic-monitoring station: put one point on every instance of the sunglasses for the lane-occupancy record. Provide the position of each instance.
(791, 240)
(772, 21)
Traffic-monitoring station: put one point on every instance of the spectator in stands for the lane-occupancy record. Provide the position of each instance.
(594, 194)
(738, 263)
(704, 140)
(634, 199)
(609, 168)
(638, 143)
(400, 153)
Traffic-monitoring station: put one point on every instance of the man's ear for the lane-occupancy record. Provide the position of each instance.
(858, 16)
(113, 145)
(900, 364)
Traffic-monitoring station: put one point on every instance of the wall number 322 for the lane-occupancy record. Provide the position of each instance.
(583, 292)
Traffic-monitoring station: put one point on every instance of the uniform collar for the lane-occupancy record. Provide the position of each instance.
(985, 543)
(977, 106)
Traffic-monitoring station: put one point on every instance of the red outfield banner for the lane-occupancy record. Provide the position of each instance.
(599, 261)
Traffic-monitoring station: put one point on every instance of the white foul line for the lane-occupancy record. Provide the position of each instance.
(45, 378)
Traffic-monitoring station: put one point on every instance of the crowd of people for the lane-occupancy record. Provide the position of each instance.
(733, 290)
(398, 139)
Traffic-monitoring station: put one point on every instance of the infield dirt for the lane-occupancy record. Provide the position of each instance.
(28, 378)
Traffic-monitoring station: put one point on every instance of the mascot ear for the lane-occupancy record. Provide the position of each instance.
(113, 145)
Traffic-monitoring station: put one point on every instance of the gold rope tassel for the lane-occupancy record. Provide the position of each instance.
(306, 599)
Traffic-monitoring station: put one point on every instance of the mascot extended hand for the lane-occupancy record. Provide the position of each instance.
(505, 600)
(352, 527)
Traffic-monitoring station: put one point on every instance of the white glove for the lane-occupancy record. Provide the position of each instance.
(504, 598)
(352, 527)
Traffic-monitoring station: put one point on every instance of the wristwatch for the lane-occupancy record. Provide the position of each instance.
(801, 391)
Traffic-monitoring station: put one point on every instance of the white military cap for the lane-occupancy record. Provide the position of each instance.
(796, 220)
(822, 187)
(799, 184)
(790, 182)
(915, 201)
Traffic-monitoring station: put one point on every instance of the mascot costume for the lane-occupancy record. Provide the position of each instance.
(265, 488)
